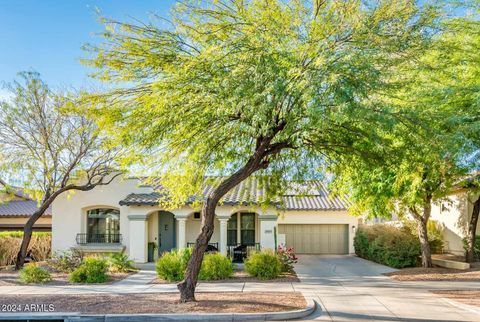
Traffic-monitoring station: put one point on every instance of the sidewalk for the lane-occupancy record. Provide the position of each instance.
(140, 283)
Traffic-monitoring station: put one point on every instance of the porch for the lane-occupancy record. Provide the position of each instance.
(147, 233)
(163, 231)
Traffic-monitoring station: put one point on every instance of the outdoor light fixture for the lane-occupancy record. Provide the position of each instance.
(354, 229)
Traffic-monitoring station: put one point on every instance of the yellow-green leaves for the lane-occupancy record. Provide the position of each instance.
(201, 91)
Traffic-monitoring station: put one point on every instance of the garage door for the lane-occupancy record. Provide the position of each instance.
(316, 239)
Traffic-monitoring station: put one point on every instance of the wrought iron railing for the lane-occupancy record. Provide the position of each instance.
(239, 252)
(83, 239)
(211, 246)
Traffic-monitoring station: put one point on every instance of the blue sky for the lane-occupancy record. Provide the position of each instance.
(47, 35)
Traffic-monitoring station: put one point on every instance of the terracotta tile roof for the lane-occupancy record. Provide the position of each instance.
(20, 208)
(311, 195)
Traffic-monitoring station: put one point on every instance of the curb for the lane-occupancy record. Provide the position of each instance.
(77, 317)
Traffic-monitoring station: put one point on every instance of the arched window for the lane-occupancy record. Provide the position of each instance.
(103, 225)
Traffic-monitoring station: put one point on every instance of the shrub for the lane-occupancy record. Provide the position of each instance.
(65, 262)
(171, 265)
(119, 262)
(434, 231)
(287, 258)
(263, 265)
(476, 247)
(387, 245)
(32, 273)
(39, 248)
(216, 266)
(92, 270)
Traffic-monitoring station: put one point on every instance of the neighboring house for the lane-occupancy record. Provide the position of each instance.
(454, 216)
(17, 207)
(125, 215)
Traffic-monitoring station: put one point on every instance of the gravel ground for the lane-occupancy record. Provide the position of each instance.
(469, 297)
(242, 276)
(228, 302)
(435, 274)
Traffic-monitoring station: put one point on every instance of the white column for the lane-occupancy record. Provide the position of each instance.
(223, 235)
(268, 224)
(138, 238)
(182, 232)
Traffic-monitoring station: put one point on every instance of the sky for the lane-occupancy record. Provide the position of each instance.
(47, 35)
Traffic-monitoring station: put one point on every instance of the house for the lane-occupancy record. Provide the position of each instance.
(15, 209)
(454, 216)
(125, 215)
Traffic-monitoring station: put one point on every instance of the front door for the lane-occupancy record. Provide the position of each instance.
(166, 232)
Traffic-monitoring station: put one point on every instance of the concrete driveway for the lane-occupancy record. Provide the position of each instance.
(349, 288)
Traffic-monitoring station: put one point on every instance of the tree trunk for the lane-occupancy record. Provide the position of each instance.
(256, 162)
(27, 236)
(472, 232)
(424, 245)
(422, 220)
(188, 285)
(28, 228)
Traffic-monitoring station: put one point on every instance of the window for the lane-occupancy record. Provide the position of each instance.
(232, 230)
(103, 225)
(196, 215)
(241, 229)
(247, 228)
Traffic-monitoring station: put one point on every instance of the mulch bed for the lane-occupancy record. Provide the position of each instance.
(469, 297)
(242, 277)
(227, 302)
(9, 278)
(435, 274)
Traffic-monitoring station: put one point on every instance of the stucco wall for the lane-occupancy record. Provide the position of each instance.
(69, 216)
(454, 216)
(69, 210)
(23, 220)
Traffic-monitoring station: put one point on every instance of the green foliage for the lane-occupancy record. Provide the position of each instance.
(264, 265)
(216, 266)
(65, 262)
(287, 257)
(311, 82)
(119, 262)
(171, 265)
(32, 273)
(387, 245)
(19, 234)
(476, 248)
(91, 270)
(434, 231)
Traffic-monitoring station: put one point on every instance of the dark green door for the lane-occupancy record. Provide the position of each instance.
(166, 231)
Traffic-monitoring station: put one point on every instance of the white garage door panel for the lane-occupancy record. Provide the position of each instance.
(316, 239)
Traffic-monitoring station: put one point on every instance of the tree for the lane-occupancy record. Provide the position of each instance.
(435, 151)
(472, 187)
(235, 87)
(460, 79)
(51, 150)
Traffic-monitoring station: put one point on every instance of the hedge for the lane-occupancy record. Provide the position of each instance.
(387, 245)
(10, 241)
